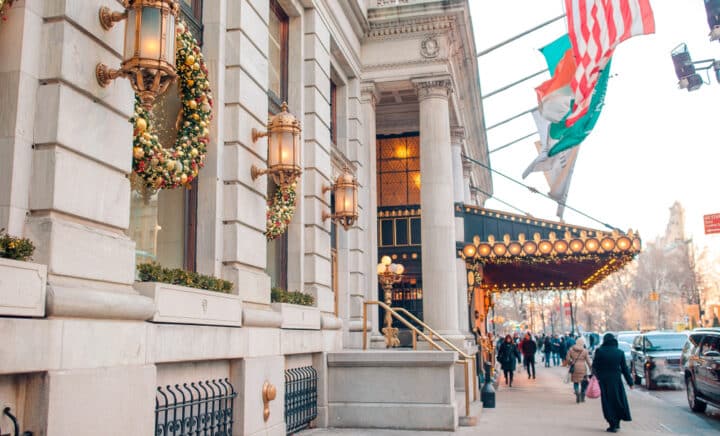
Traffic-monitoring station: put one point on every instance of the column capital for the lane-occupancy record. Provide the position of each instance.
(433, 87)
(457, 135)
(369, 93)
(467, 168)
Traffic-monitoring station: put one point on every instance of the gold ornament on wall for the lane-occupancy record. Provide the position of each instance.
(269, 392)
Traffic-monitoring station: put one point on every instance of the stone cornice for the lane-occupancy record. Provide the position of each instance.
(433, 87)
(395, 29)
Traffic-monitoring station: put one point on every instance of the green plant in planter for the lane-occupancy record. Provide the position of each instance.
(279, 295)
(153, 272)
(15, 248)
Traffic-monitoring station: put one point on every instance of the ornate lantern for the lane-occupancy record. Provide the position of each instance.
(389, 273)
(149, 53)
(345, 189)
(283, 132)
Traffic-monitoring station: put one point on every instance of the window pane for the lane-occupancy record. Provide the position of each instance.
(386, 233)
(415, 231)
(401, 232)
(157, 227)
(277, 53)
(398, 171)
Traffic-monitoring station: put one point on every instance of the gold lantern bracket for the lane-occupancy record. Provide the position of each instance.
(149, 75)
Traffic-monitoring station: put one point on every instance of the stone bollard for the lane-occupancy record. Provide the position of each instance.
(487, 394)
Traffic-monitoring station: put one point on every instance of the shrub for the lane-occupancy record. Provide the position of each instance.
(279, 295)
(15, 248)
(153, 272)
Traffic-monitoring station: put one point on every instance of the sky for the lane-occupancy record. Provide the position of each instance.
(654, 144)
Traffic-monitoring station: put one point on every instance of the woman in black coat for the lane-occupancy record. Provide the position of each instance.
(508, 355)
(609, 367)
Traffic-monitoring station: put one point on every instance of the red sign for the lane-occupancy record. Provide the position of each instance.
(712, 223)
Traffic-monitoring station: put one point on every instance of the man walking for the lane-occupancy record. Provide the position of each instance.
(547, 349)
(528, 347)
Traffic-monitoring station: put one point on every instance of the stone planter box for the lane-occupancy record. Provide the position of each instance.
(22, 288)
(183, 305)
(298, 317)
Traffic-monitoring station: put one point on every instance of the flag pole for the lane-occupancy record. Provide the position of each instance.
(520, 35)
(490, 94)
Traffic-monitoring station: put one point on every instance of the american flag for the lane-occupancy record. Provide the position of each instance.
(596, 27)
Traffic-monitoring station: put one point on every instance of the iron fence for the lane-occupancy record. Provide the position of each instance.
(202, 408)
(300, 398)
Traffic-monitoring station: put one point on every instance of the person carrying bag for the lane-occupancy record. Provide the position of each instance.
(579, 359)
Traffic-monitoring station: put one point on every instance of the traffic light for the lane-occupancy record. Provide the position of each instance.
(712, 8)
(684, 68)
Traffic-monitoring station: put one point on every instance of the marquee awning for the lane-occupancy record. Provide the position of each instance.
(521, 253)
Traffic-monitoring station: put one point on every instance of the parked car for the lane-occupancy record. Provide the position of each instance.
(701, 357)
(655, 358)
(626, 348)
(627, 336)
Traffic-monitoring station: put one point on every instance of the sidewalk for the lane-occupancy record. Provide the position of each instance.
(546, 406)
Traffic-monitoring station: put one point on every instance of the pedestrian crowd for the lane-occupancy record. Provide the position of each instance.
(594, 371)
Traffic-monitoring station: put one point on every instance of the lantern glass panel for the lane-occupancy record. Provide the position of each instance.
(340, 201)
(355, 200)
(296, 148)
(347, 207)
(150, 33)
(273, 150)
(130, 29)
(170, 39)
(287, 152)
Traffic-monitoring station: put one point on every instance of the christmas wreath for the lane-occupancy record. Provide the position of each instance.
(168, 168)
(280, 211)
(4, 6)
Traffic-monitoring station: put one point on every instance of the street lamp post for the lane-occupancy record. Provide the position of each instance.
(388, 274)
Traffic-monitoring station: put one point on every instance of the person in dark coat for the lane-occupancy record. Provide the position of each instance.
(562, 349)
(528, 347)
(508, 356)
(555, 341)
(547, 349)
(609, 367)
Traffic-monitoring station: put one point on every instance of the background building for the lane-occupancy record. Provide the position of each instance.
(386, 88)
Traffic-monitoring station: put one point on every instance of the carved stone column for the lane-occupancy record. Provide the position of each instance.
(368, 100)
(440, 306)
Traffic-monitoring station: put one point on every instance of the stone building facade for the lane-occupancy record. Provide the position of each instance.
(90, 360)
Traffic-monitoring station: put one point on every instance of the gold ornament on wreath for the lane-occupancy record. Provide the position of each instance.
(154, 166)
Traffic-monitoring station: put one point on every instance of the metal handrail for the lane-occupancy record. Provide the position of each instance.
(417, 331)
(446, 342)
(399, 318)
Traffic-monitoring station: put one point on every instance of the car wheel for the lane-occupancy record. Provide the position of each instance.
(649, 383)
(695, 404)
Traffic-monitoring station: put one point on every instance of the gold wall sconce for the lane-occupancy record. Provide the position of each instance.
(149, 50)
(283, 161)
(269, 392)
(345, 190)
